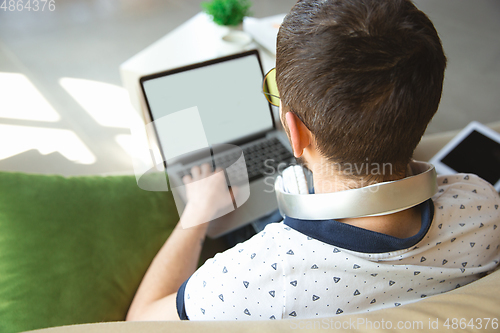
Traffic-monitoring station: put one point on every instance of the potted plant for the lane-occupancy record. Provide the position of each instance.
(230, 14)
(227, 12)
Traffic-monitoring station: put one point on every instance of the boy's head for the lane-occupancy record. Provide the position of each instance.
(364, 76)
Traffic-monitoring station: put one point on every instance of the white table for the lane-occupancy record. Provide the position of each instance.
(197, 40)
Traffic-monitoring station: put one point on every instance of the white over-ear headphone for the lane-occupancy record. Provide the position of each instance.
(384, 198)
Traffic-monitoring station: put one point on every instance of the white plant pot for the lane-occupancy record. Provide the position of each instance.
(237, 37)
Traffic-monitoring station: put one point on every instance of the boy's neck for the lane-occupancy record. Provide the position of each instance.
(328, 179)
(332, 177)
(402, 224)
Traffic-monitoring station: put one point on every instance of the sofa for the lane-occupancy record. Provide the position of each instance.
(73, 252)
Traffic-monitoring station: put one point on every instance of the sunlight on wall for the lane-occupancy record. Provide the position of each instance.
(45, 140)
(125, 141)
(21, 100)
(107, 104)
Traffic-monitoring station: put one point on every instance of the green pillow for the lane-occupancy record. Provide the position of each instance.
(74, 250)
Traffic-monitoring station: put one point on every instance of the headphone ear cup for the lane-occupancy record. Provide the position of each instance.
(301, 179)
(294, 180)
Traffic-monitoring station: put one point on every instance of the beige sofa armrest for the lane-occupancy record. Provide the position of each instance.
(478, 300)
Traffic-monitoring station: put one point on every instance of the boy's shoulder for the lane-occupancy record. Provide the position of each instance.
(466, 188)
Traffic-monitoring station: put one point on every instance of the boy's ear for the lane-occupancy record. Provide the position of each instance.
(300, 136)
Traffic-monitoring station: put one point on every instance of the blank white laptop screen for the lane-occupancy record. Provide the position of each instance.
(228, 96)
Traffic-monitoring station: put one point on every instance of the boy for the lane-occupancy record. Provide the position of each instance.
(359, 81)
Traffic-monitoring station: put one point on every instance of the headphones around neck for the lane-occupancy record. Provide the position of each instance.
(384, 198)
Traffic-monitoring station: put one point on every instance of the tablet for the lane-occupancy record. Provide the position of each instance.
(476, 149)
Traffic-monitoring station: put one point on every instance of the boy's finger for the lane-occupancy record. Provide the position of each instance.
(206, 169)
(187, 179)
(196, 172)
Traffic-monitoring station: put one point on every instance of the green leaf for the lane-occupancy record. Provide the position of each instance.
(227, 12)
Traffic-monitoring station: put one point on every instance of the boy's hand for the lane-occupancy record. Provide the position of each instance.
(207, 191)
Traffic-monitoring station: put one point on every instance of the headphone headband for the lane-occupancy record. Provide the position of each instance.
(378, 199)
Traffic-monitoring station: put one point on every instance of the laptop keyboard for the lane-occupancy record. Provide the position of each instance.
(261, 158)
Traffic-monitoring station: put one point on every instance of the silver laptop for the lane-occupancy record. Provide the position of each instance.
(233, 111)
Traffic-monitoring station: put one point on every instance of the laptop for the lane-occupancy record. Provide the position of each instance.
(232, 117)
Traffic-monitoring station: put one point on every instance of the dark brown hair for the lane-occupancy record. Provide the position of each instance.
(365, 77)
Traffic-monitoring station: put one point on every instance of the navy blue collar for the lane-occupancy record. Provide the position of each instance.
(361, 240)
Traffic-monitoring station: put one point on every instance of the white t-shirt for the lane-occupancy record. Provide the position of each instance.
(307, 269)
